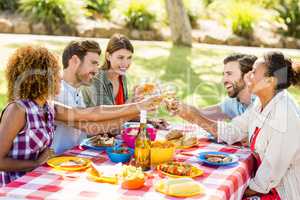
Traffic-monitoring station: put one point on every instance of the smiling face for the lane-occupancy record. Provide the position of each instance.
(87, 68)
(120, 61)
(232, 79)
(256, 79)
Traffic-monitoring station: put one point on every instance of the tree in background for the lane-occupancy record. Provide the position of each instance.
(289, 14)
(180, 25)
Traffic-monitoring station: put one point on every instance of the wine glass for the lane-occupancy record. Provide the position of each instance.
(169, 92)
(169, 96)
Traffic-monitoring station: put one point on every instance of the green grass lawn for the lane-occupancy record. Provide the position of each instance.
(195, 72)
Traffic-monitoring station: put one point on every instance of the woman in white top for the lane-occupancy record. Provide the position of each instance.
(273, 126)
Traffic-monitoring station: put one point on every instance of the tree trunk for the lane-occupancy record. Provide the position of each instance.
(180, 25)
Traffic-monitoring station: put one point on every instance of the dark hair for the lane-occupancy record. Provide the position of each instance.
(245, 61)
(281, 68)
(31, 72)
(233, 57)
(116, 42)
(80, 49)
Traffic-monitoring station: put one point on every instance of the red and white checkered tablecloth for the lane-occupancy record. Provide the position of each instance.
(47, 183)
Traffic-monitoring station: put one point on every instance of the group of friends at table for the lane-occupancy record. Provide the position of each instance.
(50, 109)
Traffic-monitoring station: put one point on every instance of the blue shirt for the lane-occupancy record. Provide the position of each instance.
(232, 107)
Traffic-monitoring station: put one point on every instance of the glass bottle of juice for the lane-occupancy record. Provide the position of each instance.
(142, 144)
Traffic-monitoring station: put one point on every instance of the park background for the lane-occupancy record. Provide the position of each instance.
(178, 42)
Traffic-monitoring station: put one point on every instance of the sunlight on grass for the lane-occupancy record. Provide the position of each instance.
(296, 93)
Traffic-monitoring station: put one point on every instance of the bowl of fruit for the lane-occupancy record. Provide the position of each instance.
(130, 131)
(132, 177)
(121, 154)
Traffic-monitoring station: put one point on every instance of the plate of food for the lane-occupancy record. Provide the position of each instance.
(99, 142)
(99, 175)
(69, 163)
(181, 187)
(182, 140)
(160, 124)
(217, 158)
(179, 170)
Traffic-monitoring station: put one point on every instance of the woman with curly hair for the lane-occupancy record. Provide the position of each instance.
(27, 123)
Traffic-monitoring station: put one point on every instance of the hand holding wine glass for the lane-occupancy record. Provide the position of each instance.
(150, 103)
(137, 94)
(142, 90)
(170, 100)
(173, 106)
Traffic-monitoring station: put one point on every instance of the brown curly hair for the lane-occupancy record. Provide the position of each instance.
(32, 72)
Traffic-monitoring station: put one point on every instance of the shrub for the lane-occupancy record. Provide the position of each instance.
(192, 17)
(138, 16)
(55, 14)
(206, 3)
(192, 8)
(239, 15)
(243, 17)
(269, 4)
(99, 8)
(289, 13)
(10, 5)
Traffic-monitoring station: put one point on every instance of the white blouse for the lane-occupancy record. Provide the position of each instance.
(278, 144)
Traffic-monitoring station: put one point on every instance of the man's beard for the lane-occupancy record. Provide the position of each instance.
(80, 79)
(237, 87)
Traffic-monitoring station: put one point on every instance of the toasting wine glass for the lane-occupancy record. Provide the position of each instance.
(169, 95)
